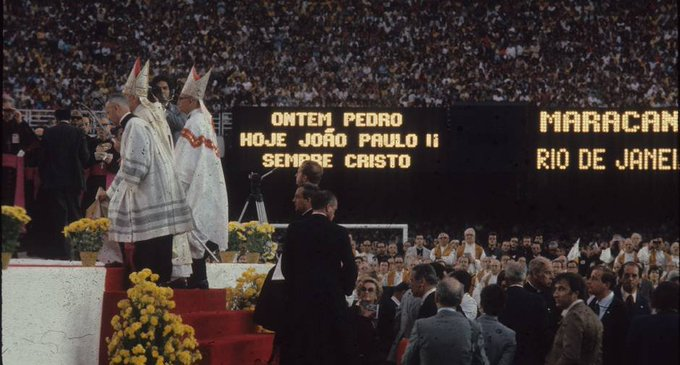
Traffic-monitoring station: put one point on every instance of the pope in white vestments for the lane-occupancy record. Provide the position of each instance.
(199, 168)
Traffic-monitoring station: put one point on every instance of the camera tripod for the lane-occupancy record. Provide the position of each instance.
(256, 197)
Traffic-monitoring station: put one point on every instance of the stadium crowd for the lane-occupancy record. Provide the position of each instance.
(510, 288)
(388, 53)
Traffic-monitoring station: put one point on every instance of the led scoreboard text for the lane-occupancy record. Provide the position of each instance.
(642, 140)
(354, 140)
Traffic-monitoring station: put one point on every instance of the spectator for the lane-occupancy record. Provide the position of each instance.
(572, 266)
(468, 305)
(365, 312)
(579, 337)
(653, 339)
(499, 340)
(629, 285)
(525, 313)
(388, 321)
(398, 274)
(433, 341)
(470, 247)
(268, 59)
(423, 282)
(539, 281)
(653, 254)
(419, 250)
(492, 250)
(610, 310)
(407, 314)
(444, 250)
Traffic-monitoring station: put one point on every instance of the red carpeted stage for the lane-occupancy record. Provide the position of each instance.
(56, 312)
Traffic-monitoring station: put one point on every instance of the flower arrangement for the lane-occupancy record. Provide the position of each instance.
(252, 236)
(87, 235)
(269, 254)
(247, 290)
(146, 332)
(13, 221)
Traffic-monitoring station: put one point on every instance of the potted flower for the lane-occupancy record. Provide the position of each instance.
(244, 295)
(252, 239)
(87, 237)
(146, 331)
(14, 220)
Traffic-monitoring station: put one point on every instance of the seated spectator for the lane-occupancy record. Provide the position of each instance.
(447, 335)
(572, 266)
(653, 339)
(499, 340)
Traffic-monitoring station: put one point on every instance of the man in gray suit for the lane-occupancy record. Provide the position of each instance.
(448, 337)
(419, 250)
(499, 340)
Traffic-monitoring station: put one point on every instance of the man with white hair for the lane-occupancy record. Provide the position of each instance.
(472, 249)
(200, 171)
(147, 204)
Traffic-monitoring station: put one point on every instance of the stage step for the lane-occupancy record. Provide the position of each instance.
(237, 350)
(220, 324)
(187, 301)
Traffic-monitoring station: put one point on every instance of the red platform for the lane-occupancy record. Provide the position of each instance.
(225, 337)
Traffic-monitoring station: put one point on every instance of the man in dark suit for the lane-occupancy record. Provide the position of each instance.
(61, 172)
(653, 339)
(539, 281)
(629, 277)
(611, 311)
(527, 314)
(387, 321)
(423, 281)
(319, 269)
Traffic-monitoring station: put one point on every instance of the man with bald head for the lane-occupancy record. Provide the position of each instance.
(433, 340)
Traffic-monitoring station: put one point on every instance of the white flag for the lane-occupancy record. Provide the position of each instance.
(606, 256)
(575, 251)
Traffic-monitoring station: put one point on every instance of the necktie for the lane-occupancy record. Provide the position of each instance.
(595, 306)
(419, 251)
(629, 302)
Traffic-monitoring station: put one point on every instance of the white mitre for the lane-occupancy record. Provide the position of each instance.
(195, 85)
(138, 81)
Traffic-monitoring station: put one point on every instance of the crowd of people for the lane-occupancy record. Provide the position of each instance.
(518, 291)
(388, 53)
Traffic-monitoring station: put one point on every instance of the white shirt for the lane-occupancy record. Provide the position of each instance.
(448, 309)
(469, 306)
(625, 295)
(603, 304)
(429, 292)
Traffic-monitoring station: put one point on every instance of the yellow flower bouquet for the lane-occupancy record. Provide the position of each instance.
(87, 235)
(252, 236)
(13, 221)
(244, 295)
(146, 332)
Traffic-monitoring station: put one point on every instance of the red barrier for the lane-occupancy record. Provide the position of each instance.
(17, 163)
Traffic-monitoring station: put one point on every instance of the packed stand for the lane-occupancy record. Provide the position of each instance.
(389, 53)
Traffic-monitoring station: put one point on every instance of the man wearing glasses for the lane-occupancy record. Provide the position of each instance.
(444, 250)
